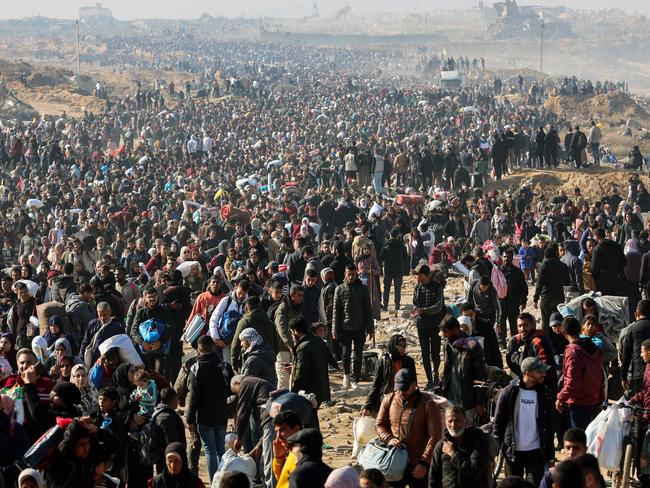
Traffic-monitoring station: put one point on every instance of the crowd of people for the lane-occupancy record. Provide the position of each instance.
(172, 252)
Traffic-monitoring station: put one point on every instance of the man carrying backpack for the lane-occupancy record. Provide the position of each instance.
(206, 412)
(224, 319)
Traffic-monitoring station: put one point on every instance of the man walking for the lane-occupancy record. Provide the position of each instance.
(206, 412)
(522, 423)
(429, 301)
(632, 366)
(594, 141)
(352, 321)
(516, 298)
(394, 258)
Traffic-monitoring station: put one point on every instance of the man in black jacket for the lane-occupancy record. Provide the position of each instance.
(310, 468)
(549, 291)
(516, 298)
(168, 420)
(607, 264)
(523, 422)
(395, 261)
(461, 458)
(464, 366)
(632, 366)
(429, 301)
(569, 251)
(206, 412)
(352, 320)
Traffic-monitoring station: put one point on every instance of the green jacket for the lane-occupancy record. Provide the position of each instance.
(286, 313)
(310, 365)
(258, 320)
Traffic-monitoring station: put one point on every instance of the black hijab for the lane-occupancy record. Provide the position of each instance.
(394, 340)
(185, 479)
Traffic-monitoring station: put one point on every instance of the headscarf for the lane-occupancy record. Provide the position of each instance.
(69, 393)
(89, 394)
(218, 271)
(631, 246)
(66, 345)
(394, 340)
(251, 335)
(185, 478)
(11, 355)
(324, 272)
(33, 474)
(346, 477)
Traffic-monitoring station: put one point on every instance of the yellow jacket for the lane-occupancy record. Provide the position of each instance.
(282, 470)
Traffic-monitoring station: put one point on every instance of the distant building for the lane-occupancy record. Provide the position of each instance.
(96, 12)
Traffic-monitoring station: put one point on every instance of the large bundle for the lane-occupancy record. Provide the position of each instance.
(613, 312)
(46, 310)
(409, 199)
(235, 214)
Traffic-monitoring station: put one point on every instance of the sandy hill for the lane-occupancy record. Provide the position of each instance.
(614, 107)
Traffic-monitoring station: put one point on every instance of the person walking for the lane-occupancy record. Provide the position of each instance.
(632, 366)
(522, 423)
(410, 418)
(549, 290)
(309, 371)
(429, 302)
(461, 459)
(464, 368)
(583, 380)
(516, 298)
(289, 310)
(206, 412)
(394, 259)
(352, 322)
(607, 264)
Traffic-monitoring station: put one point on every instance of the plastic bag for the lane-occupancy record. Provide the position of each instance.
(364, 431)
(231, 461)
(605, 437)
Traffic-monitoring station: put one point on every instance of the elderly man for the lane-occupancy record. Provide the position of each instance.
(98, 330)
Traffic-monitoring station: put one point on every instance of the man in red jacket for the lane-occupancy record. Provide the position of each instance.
(583, 389)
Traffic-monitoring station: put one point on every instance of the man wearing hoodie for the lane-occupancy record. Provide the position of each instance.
(569, 252)
(80, 310)
(523, 423)
(307, 447)
(394, 259)
(583, 386)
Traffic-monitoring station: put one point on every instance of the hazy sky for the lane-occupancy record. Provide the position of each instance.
(129, 9)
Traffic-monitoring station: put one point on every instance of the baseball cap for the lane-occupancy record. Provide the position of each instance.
(529, 365)
(404, 378)
(556, 319)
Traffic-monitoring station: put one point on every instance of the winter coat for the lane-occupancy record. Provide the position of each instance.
(536, 345)
(171, 424)
(505, 420)
(309, 371)
(352, 308)
(394, 258)
(62, 286)
(607, 265)
(143, 314)
(631, 363)
(583, 377)
(80, 314)
(571, 260)
(258, 320)
(517, 288)
(469, 465)
(251, 402)
(553, 277)
(486, 302)
(286, 313)
(431, 299)
(259, 361)
(426, 429)
(95, 328)
(385, 369)
(208, 392)
(471, 367)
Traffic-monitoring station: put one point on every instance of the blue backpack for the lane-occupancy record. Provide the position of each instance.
(228, 323)
(151, 331)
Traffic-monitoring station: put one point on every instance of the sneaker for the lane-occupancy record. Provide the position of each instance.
(346, 382)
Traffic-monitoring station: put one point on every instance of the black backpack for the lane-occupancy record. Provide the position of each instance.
(151, 441)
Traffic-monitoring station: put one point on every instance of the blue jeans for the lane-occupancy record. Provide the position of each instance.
(581, 416)
(595, 151)
(212, 439)
(377, 177)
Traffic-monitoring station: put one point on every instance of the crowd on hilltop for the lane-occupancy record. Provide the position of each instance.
(231, 257)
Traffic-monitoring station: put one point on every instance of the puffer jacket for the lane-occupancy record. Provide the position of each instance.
(631, 362)
(395, 258)
(383, 381)
(469, 465)
(259, 361)
(536, 345)
(583, 377)
(426, 429)
(471, 367)
(505, 420)
(352, 308)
